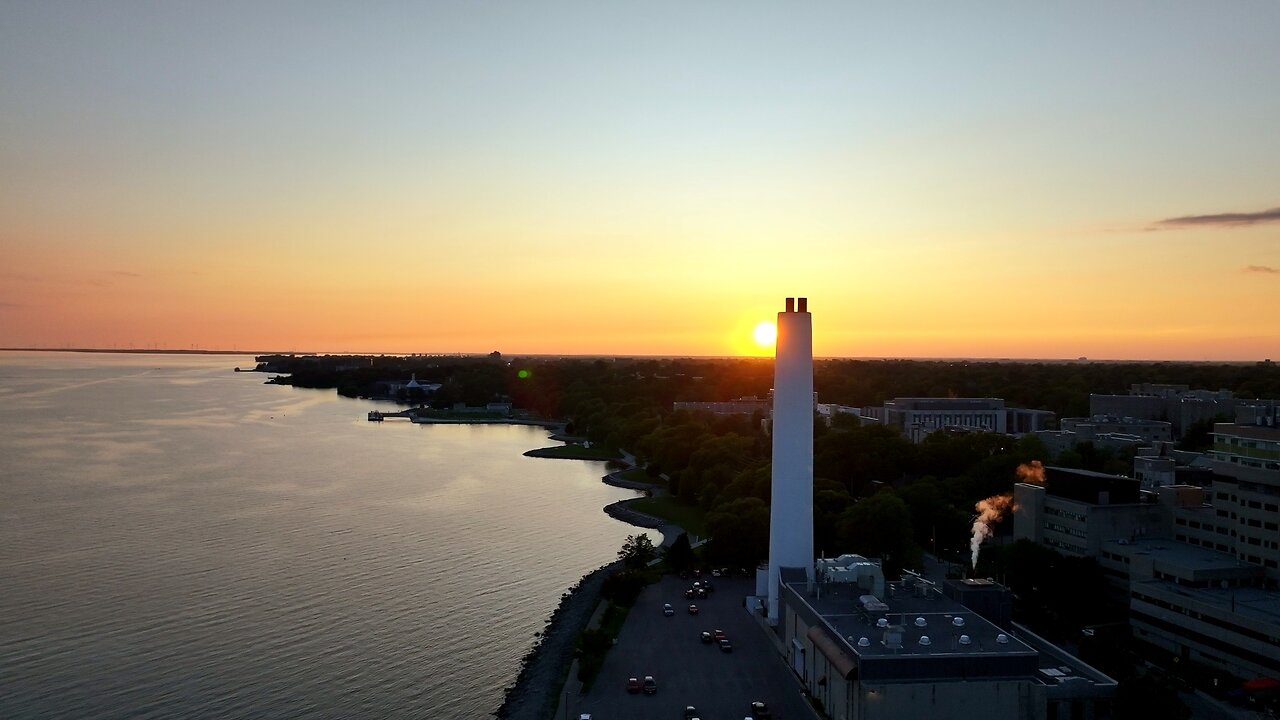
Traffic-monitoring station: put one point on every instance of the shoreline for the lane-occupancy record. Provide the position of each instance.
(534, 695)
(536, 691)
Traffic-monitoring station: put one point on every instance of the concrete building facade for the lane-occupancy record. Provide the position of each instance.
(918, 417)
(791, 507)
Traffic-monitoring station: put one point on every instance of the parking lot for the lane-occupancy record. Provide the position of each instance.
(688, 672)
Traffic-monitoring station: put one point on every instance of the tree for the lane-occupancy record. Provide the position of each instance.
(622, 588)
(880, 526)
(679, 555)
(637, 550)
(739, 532)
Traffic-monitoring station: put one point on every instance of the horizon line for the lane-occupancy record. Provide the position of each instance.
(917, 358)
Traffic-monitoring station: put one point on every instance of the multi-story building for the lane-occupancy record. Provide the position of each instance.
(1199, 604)
(1074, 511)
(917, 417)
(1178, 404)
(918, 653)
(1246, 457)
(1195, 565)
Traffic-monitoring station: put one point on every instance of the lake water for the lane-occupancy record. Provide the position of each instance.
(178, 540)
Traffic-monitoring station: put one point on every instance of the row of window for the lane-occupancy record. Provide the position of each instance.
(1220, 547)
(1231, 648)
(1058, 512)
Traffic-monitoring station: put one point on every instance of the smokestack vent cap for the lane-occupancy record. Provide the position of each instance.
(957, 621)
(924, 640)
(921, 622)
(964, 640)
(882, 623)
(1002, 639)
(864, 642)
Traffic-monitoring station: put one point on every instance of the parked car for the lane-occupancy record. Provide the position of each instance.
(693, 609)
(668, 610)
(633, 685)
(650, 685)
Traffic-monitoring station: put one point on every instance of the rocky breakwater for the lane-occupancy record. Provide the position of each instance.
(536, 691)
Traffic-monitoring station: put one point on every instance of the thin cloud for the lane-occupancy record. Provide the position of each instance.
(126, 273)
(1262, 269)
(11, 306)
(1220, 220)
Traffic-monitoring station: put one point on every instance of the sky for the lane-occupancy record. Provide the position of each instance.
(940, 179)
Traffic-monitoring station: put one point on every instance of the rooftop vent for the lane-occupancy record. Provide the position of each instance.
(921, 622)
(964, 640)
(882, 623)
(957, 621)
(924, 640)
(864, 642)
(1002, 639)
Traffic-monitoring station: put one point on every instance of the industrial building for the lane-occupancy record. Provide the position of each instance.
(866, 649)
(915, 651)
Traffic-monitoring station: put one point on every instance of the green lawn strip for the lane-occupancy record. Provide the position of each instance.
(593, 652)
(640, 476)
(448, 415)
(576, 452)
(689, 517)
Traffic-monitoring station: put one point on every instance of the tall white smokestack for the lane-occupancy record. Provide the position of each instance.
(791, 515)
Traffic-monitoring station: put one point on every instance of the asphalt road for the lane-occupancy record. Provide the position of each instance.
(688, 672)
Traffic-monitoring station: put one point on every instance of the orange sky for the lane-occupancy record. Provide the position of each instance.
(603, 181)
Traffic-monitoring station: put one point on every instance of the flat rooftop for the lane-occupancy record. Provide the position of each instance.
(945, 621)
(1253, 605)
(1181, 555)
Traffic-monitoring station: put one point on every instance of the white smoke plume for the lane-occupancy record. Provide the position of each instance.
(990, 512)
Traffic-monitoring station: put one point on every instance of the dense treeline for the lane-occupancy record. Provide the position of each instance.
(874, 492)
(554, 387)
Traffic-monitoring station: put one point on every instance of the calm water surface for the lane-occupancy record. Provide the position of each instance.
(178, 540)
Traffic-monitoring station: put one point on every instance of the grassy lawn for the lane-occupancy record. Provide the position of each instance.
(576, 452)
(668, 508)
(640, 476)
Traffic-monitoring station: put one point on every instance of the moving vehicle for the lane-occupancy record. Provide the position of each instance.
(650, 685)
(633, 685)
(693, 609)
(760, 711)
(725, 646)
(706, 637)
(668, 610)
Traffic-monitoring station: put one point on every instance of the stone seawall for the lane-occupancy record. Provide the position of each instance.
(536, 691)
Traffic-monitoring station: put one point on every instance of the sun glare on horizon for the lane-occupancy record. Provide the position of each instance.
(765, 334)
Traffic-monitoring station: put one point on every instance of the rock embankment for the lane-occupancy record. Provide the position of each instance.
(535, 693)
(621, 511)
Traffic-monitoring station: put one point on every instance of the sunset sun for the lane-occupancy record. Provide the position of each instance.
(765, 334)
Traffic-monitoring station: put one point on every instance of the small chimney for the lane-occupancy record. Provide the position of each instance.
(803, 304)
(791, 304)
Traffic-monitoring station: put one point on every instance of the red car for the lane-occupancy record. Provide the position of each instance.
(719, 635)
(633, 685)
